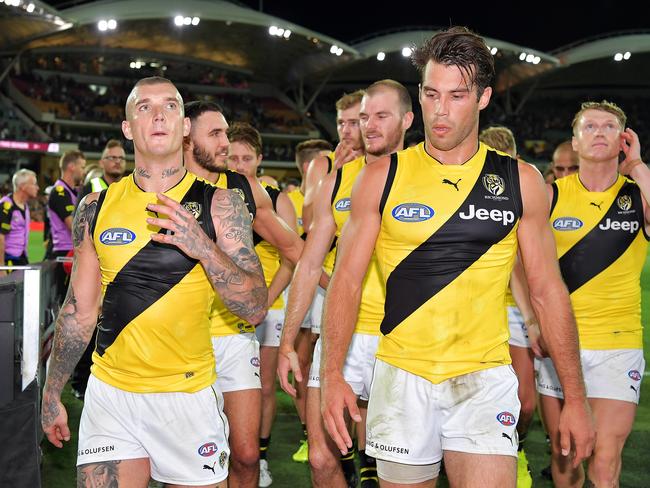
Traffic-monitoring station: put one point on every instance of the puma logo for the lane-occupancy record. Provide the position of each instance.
(449, 182)
(635, 390)
(211, 468)
(503, 434)
(596, 204)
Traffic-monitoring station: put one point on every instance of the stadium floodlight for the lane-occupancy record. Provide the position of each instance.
(132, 65)
(178, 20)
(287, 34)
(522, 56)
(618, 57)
(30, 8)
(112, 24)
(195, 20)
(339, 51)
(334, 49)
(529, 58)
(406, 51)
(187, 20)
(627, 55)
(280, 32)
(536, 60)
(102, 25)
(381, 56)
(493, 51)
(273, 30)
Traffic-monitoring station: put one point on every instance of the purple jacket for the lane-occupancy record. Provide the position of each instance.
(61, 205)
(14, 224)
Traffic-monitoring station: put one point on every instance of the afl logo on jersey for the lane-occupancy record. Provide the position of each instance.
(506, 418)
(116, 236)
(412, 212)
(343, 205)
(567, 223)
(635, 375)
(494, 184)
(208, 449)
(624, 202)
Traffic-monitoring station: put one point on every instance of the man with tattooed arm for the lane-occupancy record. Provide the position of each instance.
(144, 248)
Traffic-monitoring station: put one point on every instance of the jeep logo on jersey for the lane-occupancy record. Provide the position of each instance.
(635, 375)
(116, 236)
(567, 223)
(504, 216)
(194, 208)
(626, 225)
(343, 205)
(624, 202)
(208, 449)
(412, 212)
(494, 184)
(506, 418)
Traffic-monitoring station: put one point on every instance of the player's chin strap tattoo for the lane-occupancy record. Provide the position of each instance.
(71, 334)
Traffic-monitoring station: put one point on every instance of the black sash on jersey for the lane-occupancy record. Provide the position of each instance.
(453, 248)
(581, 263)
(149, 274)
(274, 193)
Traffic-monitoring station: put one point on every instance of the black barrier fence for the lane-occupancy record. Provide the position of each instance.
(28, 306)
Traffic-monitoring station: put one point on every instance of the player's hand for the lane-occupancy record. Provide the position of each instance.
(344, 153)
(54, 420)
(184, 231)
(536, 340)
(288, 361)
(577, 431)
(631, 147)
(336, 397)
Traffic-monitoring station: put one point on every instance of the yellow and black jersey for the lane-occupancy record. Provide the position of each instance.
(446, 247)
(297, 200)
(223, 322)
(269, 255)
(153, 333)
(602, 245)
(373, 290)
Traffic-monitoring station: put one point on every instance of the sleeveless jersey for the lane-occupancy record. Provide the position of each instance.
(602, 246)
(297, 200)
(224, 322)
(373, 290)
(330, 258)
(446, 248)
(14, 225)
(269, 255)
(153, 333)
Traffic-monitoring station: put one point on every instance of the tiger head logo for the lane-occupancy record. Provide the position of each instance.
(194, 208)
(624, 202)
(494, 184)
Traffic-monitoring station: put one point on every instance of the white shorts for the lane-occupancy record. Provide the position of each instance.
(184, 435)
(518, 330)
(268, 333)
(315, 313)
(412, 421)
(358, 367)
(615, 374)
(237, 359)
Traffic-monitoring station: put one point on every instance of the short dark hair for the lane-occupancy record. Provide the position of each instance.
(70, 157)
(195, 109)
(406, 105)
(307, 150)
(458, 46)
(245, 133)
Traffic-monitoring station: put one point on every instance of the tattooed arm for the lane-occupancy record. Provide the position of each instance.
(75, 323)
(231, 264)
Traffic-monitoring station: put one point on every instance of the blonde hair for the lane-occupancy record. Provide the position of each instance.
(603, 106)
(500, 138)
(349, 100)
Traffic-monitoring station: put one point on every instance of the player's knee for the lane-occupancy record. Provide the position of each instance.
(321, 459)
(268, 390)
(604, 466)
(244, 456)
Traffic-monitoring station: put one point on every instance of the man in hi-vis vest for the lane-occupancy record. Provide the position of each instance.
(112, 164)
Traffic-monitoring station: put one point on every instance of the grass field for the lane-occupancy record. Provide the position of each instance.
(59, 464)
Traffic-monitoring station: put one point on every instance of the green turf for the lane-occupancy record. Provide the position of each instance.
(59, 465)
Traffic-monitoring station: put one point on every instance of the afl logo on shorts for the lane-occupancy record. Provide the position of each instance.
(624, 202)
(635, 375)
(567, 223)
(343, 205)
(255, 362)
(208, 449)
(412, 212)
(506, 418)
(116, 236)
(494, 184)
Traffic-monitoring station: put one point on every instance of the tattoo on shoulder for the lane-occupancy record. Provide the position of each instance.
(104, 474)
(82, 220)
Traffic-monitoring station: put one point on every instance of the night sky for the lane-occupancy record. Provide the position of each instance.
(553, 25)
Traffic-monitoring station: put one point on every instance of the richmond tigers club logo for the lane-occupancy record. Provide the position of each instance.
(494, 184)
(194, 208)
(624, 202)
